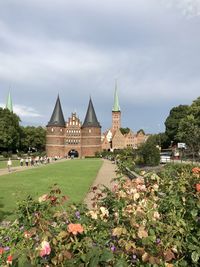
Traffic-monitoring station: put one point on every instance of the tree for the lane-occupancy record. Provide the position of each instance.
(173, 120)
(149, 153)
(160, 140)
(141, 131)
(33, 137)
(125, 130)
(195, 110)
(189, 133)
(9, 130)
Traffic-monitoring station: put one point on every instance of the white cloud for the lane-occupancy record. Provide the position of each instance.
(189, 8)
(24, 111)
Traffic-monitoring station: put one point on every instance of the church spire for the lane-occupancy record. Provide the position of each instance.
(116, 106)
(90, 118)
(9, 103)
(57, 118)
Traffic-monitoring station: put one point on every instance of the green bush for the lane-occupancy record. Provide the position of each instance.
(149, 154)
(7, 154)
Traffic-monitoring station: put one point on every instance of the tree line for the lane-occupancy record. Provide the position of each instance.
(16, 138)
(181, 126)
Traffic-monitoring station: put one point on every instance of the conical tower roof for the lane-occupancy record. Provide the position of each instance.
(90, 118)
(9, 103)
(116, 106)
(57, 118)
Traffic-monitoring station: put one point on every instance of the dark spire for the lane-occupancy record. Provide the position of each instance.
(90, 118)
(57, 118)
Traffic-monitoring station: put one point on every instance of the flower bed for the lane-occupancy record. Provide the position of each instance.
(149, 221)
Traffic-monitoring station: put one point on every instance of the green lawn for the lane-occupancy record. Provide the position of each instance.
(3, 164)
(74, 177)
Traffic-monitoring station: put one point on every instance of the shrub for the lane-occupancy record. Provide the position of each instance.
(149, 154)
(7, 154)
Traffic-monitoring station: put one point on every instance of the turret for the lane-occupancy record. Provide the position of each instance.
(116, 113)
(90, 133)
(56, 132)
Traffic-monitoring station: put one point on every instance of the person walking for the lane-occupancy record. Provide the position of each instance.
(26, 161)
(21, 162)
(9, 165)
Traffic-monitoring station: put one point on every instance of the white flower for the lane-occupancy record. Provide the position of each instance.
(155, 187)
(136, 196)
(93, 214)
(156, 215)
(43, 198)
(104, 211)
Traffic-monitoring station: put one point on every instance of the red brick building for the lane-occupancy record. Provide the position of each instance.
(72, 137)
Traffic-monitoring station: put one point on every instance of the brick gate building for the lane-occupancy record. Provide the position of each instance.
(71, 136)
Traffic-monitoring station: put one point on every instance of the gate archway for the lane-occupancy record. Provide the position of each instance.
(73, 153)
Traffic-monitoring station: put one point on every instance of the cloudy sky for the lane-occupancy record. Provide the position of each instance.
(78, 48)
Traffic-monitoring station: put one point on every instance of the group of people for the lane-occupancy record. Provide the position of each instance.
(32, 161)
(35, 161)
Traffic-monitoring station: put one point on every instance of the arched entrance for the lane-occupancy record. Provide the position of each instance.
(73, 153)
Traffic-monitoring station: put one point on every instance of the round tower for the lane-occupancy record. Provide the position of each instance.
(55, 134)
(90, 133)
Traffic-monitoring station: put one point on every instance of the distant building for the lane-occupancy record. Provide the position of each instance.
(72, 137)
(113, 138)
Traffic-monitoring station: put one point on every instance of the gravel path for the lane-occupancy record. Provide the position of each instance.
(104, 177)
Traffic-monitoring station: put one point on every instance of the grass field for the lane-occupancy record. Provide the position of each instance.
(73, 177)
(3, 164)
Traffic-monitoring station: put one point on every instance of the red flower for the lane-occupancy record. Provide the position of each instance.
(9, 260)
(1, 251)
(198, 187)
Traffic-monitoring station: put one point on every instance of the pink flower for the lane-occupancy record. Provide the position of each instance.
(45, 249)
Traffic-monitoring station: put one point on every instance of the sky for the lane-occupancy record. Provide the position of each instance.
(79, 48)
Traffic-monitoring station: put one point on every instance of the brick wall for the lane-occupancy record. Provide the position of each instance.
(90, 141)
(55, 141)
(116, 120)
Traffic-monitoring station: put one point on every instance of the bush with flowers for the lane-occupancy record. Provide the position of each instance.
(152, 220)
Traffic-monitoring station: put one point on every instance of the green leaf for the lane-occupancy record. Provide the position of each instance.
(106, 256)
(94, 261)
(83, 257)
(121, 263)
(194, 213)
(195, 256)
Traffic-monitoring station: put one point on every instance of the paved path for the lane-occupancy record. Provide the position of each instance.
(14, 169)
(104, 177)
